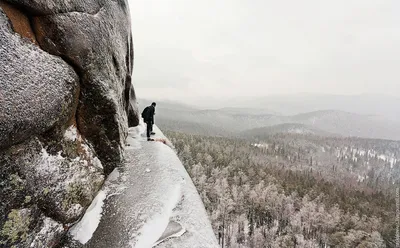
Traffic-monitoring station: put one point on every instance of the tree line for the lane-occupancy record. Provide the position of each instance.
(272, 197)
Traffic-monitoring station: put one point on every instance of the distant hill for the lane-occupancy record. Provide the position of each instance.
(231, 121)
(250, 111)
(293, 128)
(192, 128)
(386, 106)
(350, 124)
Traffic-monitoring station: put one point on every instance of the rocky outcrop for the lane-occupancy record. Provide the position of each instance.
(37, 89)
(66, 101)
(101, 55)
(44, 186)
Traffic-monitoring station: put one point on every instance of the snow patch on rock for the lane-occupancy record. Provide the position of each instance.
(84, 229)
(156, 226)
(260, 145)
(114, 175)
(71, 133)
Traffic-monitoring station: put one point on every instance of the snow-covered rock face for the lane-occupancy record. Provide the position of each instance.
(66, 102)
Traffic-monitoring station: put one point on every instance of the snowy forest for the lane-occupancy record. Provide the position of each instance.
(291, 190)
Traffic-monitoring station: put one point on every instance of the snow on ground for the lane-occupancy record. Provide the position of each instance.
(361, 178)
(134, 135)
(173, 230)
(114, 175)
(148, 193)
(156, 225)
(189, 212)
(260, 145)
(371, 153)
(382, 157)
(393, 161)
(84, 229)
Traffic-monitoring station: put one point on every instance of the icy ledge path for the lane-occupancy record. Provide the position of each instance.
(149, 202)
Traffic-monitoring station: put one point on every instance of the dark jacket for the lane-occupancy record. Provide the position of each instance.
(149, 114)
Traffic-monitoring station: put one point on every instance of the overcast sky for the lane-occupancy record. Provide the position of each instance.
(189, 48)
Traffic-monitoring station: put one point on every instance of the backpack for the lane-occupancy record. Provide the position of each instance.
(144, 113)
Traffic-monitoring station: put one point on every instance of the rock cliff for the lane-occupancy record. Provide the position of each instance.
(66, 102)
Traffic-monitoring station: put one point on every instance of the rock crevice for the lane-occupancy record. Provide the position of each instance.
(19, 20)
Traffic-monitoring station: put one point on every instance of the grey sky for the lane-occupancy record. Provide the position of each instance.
(188, 48)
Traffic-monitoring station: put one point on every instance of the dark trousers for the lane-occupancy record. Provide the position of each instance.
(149, 128)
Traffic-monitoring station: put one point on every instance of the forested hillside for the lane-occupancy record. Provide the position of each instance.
(293, 190)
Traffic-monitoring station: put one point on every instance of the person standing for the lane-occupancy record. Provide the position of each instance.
(148, 118)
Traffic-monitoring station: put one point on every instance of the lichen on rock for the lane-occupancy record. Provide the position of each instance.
(60, 186)
(17, 226)
(26, 228)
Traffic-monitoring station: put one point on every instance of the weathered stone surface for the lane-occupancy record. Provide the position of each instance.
(60, 185)
(48, 235)
(17, 226)
(94, 36)
(26, 227)
(36, 89)
(48, 7)
(100, 48)
(130, 96)
(19, 21)
(66, 101)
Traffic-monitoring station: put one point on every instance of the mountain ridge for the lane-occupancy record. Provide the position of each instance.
(236, 120)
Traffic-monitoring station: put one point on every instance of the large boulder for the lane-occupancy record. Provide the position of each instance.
(37, 90)
(98, 45)
(66, 101)
(93, 37)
